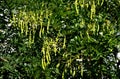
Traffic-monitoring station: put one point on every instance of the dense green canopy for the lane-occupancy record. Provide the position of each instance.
(49, 39)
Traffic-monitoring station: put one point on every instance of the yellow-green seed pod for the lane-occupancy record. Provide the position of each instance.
(93, 27)
(76, 6)
(102, 2)
(48, 24)
(46, 13)
(22, 27)
(26, 28)
(14, 20)
(93, 9)
(43, 63)
(58, 65)
(98, 27)
(47, 53)
(33, 38)
(63, 75)
(91, 15)
(65, 70)
(68, 64)
(81, 70)
(98, 2)
(64, 45)
(55, 48)
(40, 33)
(71, 71)
(74, 72)
(57, 39)
(43, 31)
(43, 50)
(87, 34)
(82, 23)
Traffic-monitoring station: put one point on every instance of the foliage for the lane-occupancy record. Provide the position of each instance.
(60, 39)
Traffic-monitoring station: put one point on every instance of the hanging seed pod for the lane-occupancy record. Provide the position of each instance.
(26, 28)
(82, 23)
(57, 65)
(54, 48)
(89, 26)
(40, 33)
(93, 9)
(65, 70)
(74, 72)
(43, 50)
(41, 23)
(87, 34)
(98, 27)
(48, 55)
(14, 20)
(63, 75)
(71, 71)
(48, 24)
(68, 64)
(21, 26)
(102, 2)
(43, 31)
(43, 63)
(76, 6)
(64, 45)
(98, 2)
(81, 69)
(87, 5)
(93, 27)
(46, 13)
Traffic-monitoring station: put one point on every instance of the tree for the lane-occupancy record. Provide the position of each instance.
(62, 39)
